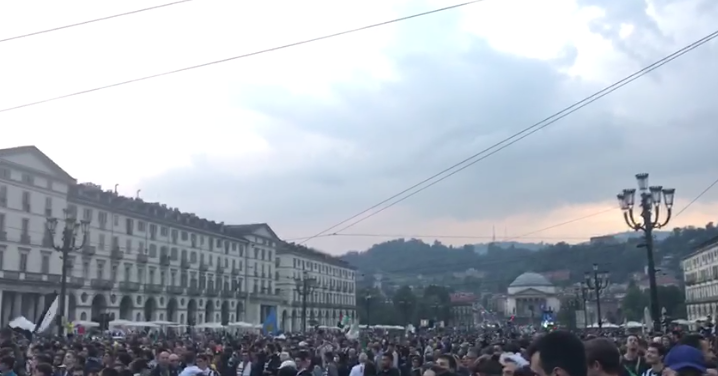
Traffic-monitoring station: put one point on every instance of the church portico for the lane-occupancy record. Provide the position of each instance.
(528, 296)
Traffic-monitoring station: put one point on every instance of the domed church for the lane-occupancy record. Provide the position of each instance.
(528, 296)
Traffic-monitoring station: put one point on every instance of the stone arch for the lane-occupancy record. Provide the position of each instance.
(172, 310)
(126, 307)
(98, 307)
(150, 308)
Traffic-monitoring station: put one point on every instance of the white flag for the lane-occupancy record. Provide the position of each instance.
(49, 316)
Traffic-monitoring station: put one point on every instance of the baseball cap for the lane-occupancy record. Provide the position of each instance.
(684, 356)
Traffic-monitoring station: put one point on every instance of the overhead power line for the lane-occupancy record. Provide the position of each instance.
(436, 236)
(294, 44)
(92, 21)
(710, 186)
(495, 148)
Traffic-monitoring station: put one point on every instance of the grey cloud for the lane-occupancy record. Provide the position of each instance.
(446, 106)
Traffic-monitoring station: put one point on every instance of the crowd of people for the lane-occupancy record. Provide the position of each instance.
(320, 353)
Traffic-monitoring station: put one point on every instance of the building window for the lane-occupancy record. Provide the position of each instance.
(3, 196)
(26, 201)
(48, 206)
(87, 214)
(4, 173)
(86, 269)
(25, 227)
(45, 264)
(23, 262)
(101, 242)
(28, 179)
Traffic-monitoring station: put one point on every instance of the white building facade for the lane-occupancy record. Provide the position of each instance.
(142, 261)
(529, 295)
(332, 292)
(700, 274)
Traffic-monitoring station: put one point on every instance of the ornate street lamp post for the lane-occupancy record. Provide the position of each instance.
(650, 206)
(305, 287)
(598, 282)
(69, 244)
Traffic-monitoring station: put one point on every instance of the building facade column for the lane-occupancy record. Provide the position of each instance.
(17, 305)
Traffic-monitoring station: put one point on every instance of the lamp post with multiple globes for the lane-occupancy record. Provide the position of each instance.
(70, 231)
(597, 281)
(650, 214)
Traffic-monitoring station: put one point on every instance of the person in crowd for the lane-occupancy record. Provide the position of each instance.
(684, 360)
(602, 358)
(387, 365)
(654, 359)
(558, 353)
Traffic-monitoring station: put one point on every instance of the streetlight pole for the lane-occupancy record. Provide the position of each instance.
(367, 305)
(583, 291)
(650, 206)
(69, 245)
(305, 287)
(598, 282)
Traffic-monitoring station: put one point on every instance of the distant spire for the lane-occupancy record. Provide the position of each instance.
(493, 234)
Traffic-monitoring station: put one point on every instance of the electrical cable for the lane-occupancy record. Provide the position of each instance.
(458, 167)
(696, 198)
(92, 21)
(294, 44)
(503, 239)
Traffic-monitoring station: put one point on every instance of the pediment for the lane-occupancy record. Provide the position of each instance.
(265, 231)
(529, 292)
(32, 158)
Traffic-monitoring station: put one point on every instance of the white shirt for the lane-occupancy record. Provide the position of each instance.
(357, 370)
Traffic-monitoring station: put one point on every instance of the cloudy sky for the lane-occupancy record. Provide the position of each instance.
(308, 136)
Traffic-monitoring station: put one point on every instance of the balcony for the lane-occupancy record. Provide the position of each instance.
(102, 284)
(142, 258)
(152, 288)
(127, 286)
(240, 294)
(116, 254)
(227, 294)
(203, 267)
(175, 290)
(75, 282)
(25, 239)
(194, 291)
(184, 263)
(3, 236)
(220, 269)
(165, 260)
(88, 250)
(236, 271)
(211, 292)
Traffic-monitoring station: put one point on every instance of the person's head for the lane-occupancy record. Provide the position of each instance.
(245, 356)
(632, 343)
(42, 369)
(363, 358)
(303, 360)
(434, 371)
(684, 360)
(655, 353)
(174, 360)
(602, 357)
(7, 363)
(444, 362)
(558, 353)
(109, 372)
(387, 360)
(203, 361)
(70, 359)
(163, 359)
(77, 371)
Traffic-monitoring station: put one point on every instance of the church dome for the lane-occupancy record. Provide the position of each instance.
(530, 279)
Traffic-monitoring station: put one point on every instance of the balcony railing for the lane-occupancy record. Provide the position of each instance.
(152, 288)
(102, 284)
(184, 263)
(142, 258)
(75, 282)
(175, 290)
(3, 236)
(116, 253)
(211, 292)
(220, 269)
(194, 291)
(165, 260)
(228, 294)
(88, 250)
(203, 267)
(128, 286)
(25, 238)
